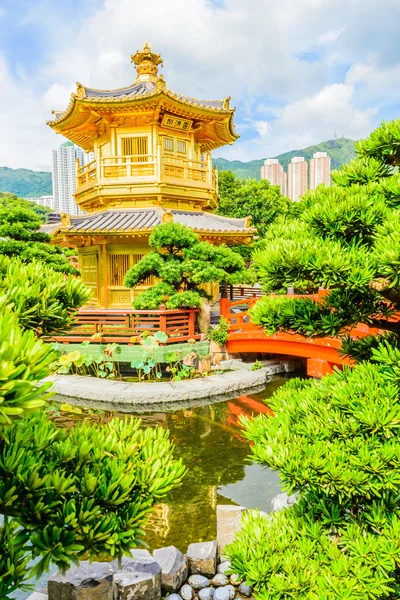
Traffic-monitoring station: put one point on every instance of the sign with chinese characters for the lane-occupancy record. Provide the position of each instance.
(176, 123)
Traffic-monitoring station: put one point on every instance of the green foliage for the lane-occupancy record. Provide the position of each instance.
(20, 235)
(334, 442)
(340, 150)
(89, 363)
(86, 492)
(248, 197)
(336, 445)
(182, 264)
(43, 300)
(220, 332)
(24, 360)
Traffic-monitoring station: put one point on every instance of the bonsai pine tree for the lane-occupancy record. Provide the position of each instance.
(335, 442)
(20, 236)
(65, 495)
(182, 263)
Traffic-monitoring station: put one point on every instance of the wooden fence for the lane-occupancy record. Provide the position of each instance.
(125, 326)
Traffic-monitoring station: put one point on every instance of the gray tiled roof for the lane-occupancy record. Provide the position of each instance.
(121, 220)
(136, 89)
(148, 87)
(143, 219)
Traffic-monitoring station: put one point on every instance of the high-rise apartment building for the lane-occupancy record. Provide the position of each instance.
(297, 178)
(64, 182)
(44, 201)
(274, 173)
(320, 170)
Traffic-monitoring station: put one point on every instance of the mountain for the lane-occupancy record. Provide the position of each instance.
(25, 183)
(341, 151)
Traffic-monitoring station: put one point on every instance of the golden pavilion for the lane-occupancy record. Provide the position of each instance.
(152, 165)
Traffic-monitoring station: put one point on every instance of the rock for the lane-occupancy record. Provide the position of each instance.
(138, 578)
(202, 558)
(224, 566)
(206, 593)
(228, 523)
(236, 579)
(38, 596)
(219, 580)
(198, 582)
(222, 593)
(282, 501)
(89, 581)
(174, 568)
(231, 591)
(174, 597)
(245, 590)
(187, 592)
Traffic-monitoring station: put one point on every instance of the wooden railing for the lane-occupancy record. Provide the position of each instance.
(144, 166)
(126, 326)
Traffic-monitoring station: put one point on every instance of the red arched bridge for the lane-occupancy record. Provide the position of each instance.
(321, 353)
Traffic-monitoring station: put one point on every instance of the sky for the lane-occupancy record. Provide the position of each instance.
(298, 71)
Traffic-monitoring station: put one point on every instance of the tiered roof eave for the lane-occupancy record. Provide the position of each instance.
(88, 105)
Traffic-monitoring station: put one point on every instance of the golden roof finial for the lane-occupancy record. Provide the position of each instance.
(146, 63)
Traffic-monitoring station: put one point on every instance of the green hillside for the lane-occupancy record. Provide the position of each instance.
(341, 151)
(25, 183)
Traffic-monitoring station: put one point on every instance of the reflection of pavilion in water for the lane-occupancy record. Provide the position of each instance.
(209, 441)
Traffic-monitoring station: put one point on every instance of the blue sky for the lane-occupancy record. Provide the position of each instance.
(297, 70)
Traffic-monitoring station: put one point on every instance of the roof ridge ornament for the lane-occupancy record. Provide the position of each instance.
(146, 63)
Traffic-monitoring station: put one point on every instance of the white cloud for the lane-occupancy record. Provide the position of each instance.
(376, 78)
(244, 49)
(308, 121)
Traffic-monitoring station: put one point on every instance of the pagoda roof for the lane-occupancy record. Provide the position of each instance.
(143, 220)
(89, 105)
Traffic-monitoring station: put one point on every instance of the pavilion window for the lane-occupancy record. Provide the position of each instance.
(168, 144)
(181, 146)
(118, 266)
(135, 147)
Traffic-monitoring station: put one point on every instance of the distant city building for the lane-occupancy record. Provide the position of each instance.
(64, 181)
(274, 173)
(297, 178)
(320, 169)
(44, 201)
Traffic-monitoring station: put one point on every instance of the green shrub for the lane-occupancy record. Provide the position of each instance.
(220, 333)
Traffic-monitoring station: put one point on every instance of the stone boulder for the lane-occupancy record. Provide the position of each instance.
(202, 558)
(174, 568)
(138, 577)
(89, 581)
(282, 501)
(198, 582)
(229, 522)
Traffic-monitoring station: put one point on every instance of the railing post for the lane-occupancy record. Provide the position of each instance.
(191, 323)
(163, 318)
(224, 308)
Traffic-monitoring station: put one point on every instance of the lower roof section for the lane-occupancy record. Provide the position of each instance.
(143, 220)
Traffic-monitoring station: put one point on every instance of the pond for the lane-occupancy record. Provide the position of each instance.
(210, 443)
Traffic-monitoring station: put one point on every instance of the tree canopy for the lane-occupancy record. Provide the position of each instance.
(335, 442)
(182, 263)
(20, 235)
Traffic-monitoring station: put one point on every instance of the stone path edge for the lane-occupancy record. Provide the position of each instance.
(121, 392)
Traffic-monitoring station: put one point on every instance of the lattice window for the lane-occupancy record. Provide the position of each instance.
(168, 144)
(137, 147)
(181, 146)
(118, 266)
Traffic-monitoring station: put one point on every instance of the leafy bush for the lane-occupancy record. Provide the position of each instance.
(220, 333)
(43, 300)
(336, 446)
(86, 492)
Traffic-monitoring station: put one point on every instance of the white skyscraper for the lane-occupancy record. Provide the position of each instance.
(64, 182)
